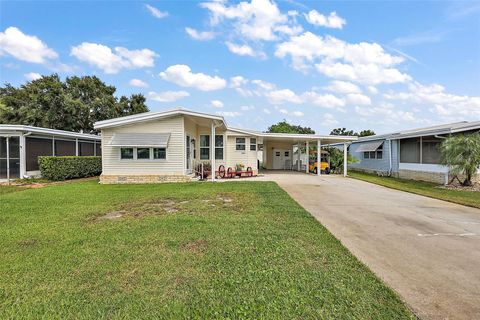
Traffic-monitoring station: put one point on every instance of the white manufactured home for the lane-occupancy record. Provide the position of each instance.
(170, 145)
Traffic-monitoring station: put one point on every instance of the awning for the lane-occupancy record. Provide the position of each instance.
(369, 146)
(158, 140)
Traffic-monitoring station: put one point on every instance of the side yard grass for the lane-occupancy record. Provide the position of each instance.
(468, 198)
(198, 250)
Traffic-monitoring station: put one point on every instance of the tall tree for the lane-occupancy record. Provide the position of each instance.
(461, 153)
(75, 104)
(285, 127)
(345, 132)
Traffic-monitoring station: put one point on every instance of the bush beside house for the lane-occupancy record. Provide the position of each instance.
(70, 167)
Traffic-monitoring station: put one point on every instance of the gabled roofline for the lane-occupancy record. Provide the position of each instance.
(146, 116)
(47, 131)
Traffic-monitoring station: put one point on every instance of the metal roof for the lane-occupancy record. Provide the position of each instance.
(4, 128)
(442, 129)
(369, 146)
(159, 140)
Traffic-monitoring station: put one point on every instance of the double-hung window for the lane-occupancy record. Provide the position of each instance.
(143, 153)
(219, 147)
(205, 147)
(253, 144)
(240, 144)
(126, 153)
(159, 153)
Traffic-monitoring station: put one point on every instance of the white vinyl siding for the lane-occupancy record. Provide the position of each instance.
(174, 162)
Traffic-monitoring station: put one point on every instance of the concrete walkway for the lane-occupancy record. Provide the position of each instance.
(427, 250)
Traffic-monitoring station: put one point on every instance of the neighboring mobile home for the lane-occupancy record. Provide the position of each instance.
(169, 145)
(20, 147)
(410, 154)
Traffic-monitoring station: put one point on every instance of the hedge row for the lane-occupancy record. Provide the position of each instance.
(70, 167)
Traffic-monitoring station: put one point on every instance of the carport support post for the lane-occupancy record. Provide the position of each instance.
(307, 147)
(8, 159)
(319, 157)
(212, 151)
(345, 159)
(298, 156)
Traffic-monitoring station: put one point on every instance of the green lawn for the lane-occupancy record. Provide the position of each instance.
(199, 250)
(468, 198)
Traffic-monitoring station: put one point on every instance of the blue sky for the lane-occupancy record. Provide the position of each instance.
(357, 64)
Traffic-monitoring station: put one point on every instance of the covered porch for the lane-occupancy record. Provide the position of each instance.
(301, 152)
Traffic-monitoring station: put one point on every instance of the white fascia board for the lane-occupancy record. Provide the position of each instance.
(152, 116)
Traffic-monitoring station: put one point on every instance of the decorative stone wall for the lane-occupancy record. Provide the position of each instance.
(132, 179)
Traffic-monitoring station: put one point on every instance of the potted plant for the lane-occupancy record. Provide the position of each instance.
(239, 168)
(205, 171)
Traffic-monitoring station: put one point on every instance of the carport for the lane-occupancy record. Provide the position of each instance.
(281, 150)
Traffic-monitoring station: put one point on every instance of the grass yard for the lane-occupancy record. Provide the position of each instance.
(468, 198)
(200, 250)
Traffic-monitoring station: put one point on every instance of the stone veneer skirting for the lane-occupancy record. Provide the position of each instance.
(133, 178)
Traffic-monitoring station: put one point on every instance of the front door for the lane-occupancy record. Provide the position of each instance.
(12, 157)
(282, 159)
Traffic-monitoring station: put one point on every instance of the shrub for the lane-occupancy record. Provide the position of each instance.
(70, 167)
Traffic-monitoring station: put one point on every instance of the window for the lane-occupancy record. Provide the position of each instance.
(205, 147)
(240, 144)
(159, 153)
(379, 154)
(143, 153)
(219, 147)
(126, 153)
(366, 155)
(253, 144)
(287, 153)
(410, 150)
(431, 150)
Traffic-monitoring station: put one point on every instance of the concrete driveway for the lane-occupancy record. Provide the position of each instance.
(427, 250)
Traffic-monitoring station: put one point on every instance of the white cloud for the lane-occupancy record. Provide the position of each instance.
(25, 47)
(282, 96)
(328, 101)
(366, 63)
(358, 99)
(298, 113)
(200, 35)
(182, 75)
(343, 87)
(216, 103)
(156, 12)
(243, 50)
(32, 76)
(138, 83)
(267, 111)
(247, 108)
(264, 84)
(229, 114)
(372, 89)
(167, 96)
(330, 21)
(255, 20)
(434, 97)
(109, 61)
(329, 120)
(372, 74)
(282, 110)
(238, 81)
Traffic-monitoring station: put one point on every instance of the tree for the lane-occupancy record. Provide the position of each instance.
(461, 153)
(73, 105)
(285, 127)
(366, 133)
(345, 132)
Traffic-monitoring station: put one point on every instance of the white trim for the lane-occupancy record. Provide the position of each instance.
(146, 116)
(345, 159)
(423, 167)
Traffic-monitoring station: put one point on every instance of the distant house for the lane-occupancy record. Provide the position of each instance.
(20, 147)
(170, 145)
(410, 154)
